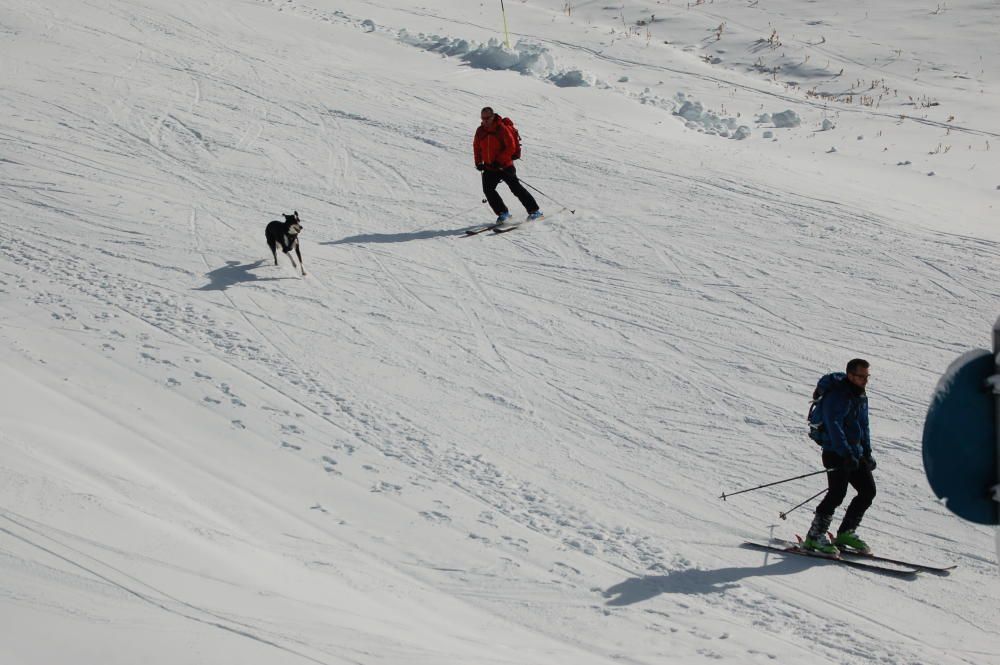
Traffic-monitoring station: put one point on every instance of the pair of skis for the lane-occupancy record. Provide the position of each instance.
(502, 227)
(870, 562)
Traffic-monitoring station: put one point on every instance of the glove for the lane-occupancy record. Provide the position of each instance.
(850, 464)
(869, 462)
(480, 166)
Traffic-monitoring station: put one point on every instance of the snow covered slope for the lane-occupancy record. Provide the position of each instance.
(497, 449)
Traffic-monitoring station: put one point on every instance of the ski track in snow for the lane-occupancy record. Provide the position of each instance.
(575, 346)
(257, 348)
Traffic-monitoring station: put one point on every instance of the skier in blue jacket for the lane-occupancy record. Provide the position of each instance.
(845, 436)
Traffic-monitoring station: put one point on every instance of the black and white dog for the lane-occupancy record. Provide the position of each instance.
(286, 234)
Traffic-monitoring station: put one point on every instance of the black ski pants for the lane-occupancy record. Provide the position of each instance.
(508, 175)
(860, 479)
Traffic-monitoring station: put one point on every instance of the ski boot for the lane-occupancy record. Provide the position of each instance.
(816, 541)
(532, 216)
(820, 545)
(848, 541)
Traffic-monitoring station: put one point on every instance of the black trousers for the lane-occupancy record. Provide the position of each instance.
(508, 175)
(860, 479)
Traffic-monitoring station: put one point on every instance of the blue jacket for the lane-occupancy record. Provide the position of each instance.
(845, 421)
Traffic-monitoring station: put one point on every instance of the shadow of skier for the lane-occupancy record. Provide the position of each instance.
(370, 238)
(693, 581)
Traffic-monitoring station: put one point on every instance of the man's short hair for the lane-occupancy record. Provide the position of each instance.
(487, 109)
(855, 364)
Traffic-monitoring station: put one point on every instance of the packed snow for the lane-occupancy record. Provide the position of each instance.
(509, 448)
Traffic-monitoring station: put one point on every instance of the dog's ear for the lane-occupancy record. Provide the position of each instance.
(296, 213)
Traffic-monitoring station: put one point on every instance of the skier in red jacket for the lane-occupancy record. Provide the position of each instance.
(495, 147)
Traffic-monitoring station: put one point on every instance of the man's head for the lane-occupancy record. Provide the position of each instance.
(487, 117)
(857, 372)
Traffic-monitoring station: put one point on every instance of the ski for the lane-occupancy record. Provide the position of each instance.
(480, 229)
(921, 567)
(506, 226)
(906, 573)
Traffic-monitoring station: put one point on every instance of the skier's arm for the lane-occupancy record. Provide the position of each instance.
(506, 155)
(477, 149)
(866, 431)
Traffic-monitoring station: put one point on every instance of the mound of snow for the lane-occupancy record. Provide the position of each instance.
(787, 118)
(571, 79)
(709, 122)
(529, 59)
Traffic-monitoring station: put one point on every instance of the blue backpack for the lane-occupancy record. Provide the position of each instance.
(815, 416)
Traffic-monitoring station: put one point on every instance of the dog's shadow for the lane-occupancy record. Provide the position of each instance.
(366, 238)
(234, 273)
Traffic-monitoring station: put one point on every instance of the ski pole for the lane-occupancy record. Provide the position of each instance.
(777, 482)
(450, 216)
(784, 515)
(572, 212)
(506, 34)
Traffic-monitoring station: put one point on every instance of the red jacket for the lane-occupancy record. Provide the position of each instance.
(495, 145)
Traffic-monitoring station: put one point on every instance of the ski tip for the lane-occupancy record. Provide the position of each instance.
(943, 571)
